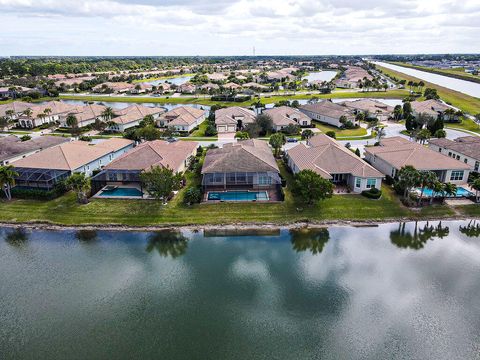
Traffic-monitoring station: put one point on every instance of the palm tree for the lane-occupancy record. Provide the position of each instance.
(408, 177)
(437, 188)
(108, 114)
(27, 112)
(80, 184)
(7, 180)
(476, 186)
(450, 189)
(72, 123)
(41, 116)
(427, 179)
(10, 113)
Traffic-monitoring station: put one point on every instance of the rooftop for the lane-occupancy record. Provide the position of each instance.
(467, 145)
(11, 146)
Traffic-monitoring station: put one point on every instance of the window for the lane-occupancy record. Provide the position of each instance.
(458, 157)
(264, 180)
(450, 153)
(456, 175)
(439, 150)
(371, 183)
(358, 182)
(465, 160)
(477, 165)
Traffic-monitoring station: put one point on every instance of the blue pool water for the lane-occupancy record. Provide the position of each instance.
(122, 192)
(238, 196)
(461, 192)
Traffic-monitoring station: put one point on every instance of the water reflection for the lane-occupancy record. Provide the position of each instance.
(472, 229)
(86, 235)
(312, 240)
(17, 237)
(168, 243)
(403, 238)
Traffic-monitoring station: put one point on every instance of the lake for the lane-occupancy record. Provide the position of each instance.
(463, 86)
(394, 291)
(321, 75)
(179, 80)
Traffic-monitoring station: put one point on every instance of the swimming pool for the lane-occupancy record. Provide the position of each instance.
(238, 195)
(461, 192)
(121, 192)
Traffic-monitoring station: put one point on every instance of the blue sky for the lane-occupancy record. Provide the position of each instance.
(221, 27)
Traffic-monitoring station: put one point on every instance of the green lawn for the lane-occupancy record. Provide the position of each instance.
(468, 104)
(200, 132)
(341, 132)
(466, 124)
(66, 211)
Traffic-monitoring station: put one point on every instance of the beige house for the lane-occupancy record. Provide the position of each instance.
(85, 115)
(46, 168)
(328, 112)
(373, 108)
(334, 162)
(182, 118)
(431, 107)
(231, 119)
(465, 149)
(283, 116)
(126, 169)
(132, 115)
(397, 152)
(52, 111)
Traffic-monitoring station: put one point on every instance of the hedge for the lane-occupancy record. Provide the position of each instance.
(372, 193)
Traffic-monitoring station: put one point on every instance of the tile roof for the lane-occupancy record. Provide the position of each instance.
(326, 156)
(16, 106)
(328, 108)
(71, 155)
(11, 146)
(155, 153)
(399, 152)
(183, 115)
(467, 145)
(135, 113)
(227, 116)
(285, 115)
(244, 156)
(370, 105)
(430, 107)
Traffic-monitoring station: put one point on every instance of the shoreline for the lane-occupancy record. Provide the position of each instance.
(39, 225)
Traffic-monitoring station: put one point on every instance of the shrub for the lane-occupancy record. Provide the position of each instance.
(331, 134)
(192, 195)
(38, 194)
(211, 130)
(372, 193)
(25, 138)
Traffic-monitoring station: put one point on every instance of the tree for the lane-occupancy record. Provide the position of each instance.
(242, 135)
(148, 133)
(160, 182)
(408, 177)
(407, 109)
(148, 120)
(312, 187)
(291, 129)
(307, 134)
(426, 179)
(431, 94)
(440, 133)
(72, 123)
(397, 112)
(331, 134)
(381, 133)
(437, 188)
(7, 180)
(476, 186)
(264, 121)
(80, 184)
(435, 125)
(108, 114)
(450, 189)
(253, 130)
(192, 195)
(3, 122)
(277, 140)
(211, 130)
(423, 135)
(343, 119)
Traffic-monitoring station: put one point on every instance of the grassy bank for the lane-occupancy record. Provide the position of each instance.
(201, 100)
(66, 211)
(462, 101)
(454, 73)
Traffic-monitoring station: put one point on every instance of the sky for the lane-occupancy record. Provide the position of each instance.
(234, 27)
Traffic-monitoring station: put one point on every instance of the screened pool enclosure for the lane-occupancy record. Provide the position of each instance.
(40, 178)
(241, 180)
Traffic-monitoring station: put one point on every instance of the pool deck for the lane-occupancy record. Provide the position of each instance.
(143, 197)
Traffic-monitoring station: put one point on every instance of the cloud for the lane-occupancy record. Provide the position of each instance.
(232, 27)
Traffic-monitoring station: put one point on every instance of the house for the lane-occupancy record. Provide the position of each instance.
(231, 86)
(187, 88)
(245, 165)
(49, 112)
(116, 87)
(255, 86)
(397, 152)
(132, 115)
(14, 91)
(328, 112)
(209, 87)
(182, 118)
(46, 168)
(233, 118)
(351, 77)
(466, 149)
(217, 77)
(85, 115)
(433, 108)
(372, 108)
(12, 148)
(283, 116)
(333, 161)
(14, 109)
(126, 169)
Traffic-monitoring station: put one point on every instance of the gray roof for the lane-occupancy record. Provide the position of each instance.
(12, 146)
(244, 156)
(467, 145)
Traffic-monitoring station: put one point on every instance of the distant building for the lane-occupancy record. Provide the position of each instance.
(182, 118)
(328, 112)
(283, 116)
(466, 149)
(232, 119)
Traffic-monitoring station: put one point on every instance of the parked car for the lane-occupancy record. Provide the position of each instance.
(292, 140)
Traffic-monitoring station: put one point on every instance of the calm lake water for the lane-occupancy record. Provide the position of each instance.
(176, 80)
(321, 75)
(466, 87)
(396, 291)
